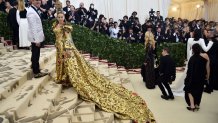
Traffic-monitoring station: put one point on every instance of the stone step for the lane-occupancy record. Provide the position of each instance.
(125, 80)
(104, 117)
(3, 51)
(84, 112)
(9, 48)
(103, 69)
(1, 45)
(81, 112)
(3, 119)
(43, 103)
(66, 102)
(15, 69)
(122, 121)
(23, 96)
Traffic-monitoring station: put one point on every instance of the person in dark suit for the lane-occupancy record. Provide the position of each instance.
(140, 37)
(66, 9)
(167, 74)
(158, 17)
(130, 36)
(92, 16)
(81, 14)
(159, 36)
(198, 71)
(14, 25)
(213, 55)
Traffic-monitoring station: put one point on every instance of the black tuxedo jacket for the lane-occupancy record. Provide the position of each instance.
(12, 18)
(167, 68)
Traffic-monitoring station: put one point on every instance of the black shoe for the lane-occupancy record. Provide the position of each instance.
(39, 75)
(164, 97)
(171, 97)
(191, 109)
(208, 91)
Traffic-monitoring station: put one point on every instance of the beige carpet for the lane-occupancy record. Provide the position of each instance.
(167, 111)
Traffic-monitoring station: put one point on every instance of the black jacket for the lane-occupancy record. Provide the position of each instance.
(167, 68)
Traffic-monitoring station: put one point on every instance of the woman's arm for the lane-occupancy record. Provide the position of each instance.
(204, 55)
(188, 48)
(203, 45)
(18, 17)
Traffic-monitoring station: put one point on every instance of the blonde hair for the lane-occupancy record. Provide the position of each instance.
(21, 5)
(149, 38)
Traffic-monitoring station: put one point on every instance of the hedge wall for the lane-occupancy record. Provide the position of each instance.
(118, 51)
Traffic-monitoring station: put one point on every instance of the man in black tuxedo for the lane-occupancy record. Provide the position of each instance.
(140, 38)
(13, 23)
(66, 9)
(159, 36)
(167, 72)
(158, 17)
(130, 36)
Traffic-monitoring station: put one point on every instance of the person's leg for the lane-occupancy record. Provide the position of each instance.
(160, 85)
(35, 58)
(167, 86)
(187, 99)
(198, 99)
(192, 104)
(162, 88)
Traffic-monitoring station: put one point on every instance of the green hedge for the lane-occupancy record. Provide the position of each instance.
(117, 51)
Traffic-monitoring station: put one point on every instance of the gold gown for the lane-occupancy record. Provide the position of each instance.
(92, 86)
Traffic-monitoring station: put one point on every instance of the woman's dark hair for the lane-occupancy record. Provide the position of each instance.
(196, 49)
(197, 34)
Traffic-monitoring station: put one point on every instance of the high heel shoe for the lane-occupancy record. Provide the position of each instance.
(197, 107)
(191, 109)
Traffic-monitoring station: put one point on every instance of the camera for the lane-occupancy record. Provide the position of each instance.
(151, 14)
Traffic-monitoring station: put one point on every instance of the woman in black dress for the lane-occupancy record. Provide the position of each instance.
(149, 60)
(198, 71)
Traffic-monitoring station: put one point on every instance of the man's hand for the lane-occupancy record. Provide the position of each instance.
(38, 44)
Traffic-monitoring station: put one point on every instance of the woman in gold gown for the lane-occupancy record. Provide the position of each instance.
(73, 69)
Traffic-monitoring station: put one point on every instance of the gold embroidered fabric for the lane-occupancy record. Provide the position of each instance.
(91, 86)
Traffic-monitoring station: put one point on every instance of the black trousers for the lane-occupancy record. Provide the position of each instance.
(163, 82)
(15, 37)
(197, 97)
(35, 58)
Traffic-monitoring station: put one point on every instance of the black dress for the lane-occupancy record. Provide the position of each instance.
(149, 67)
(195, 79)
(213, 55)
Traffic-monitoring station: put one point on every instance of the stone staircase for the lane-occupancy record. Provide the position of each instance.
(5, 46)
(24, 99)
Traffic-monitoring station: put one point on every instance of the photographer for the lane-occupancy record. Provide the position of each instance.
(140, 38)
(81, 15)
(92, 15)
(133, 17)
(114, 30)
(158, 18)
(66, 9)
(70, 16)
(151, 15)
(130, 36)
(125, 24)
(136, 26)
(101, 25)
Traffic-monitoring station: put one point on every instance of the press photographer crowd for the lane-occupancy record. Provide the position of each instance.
(128, 28)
